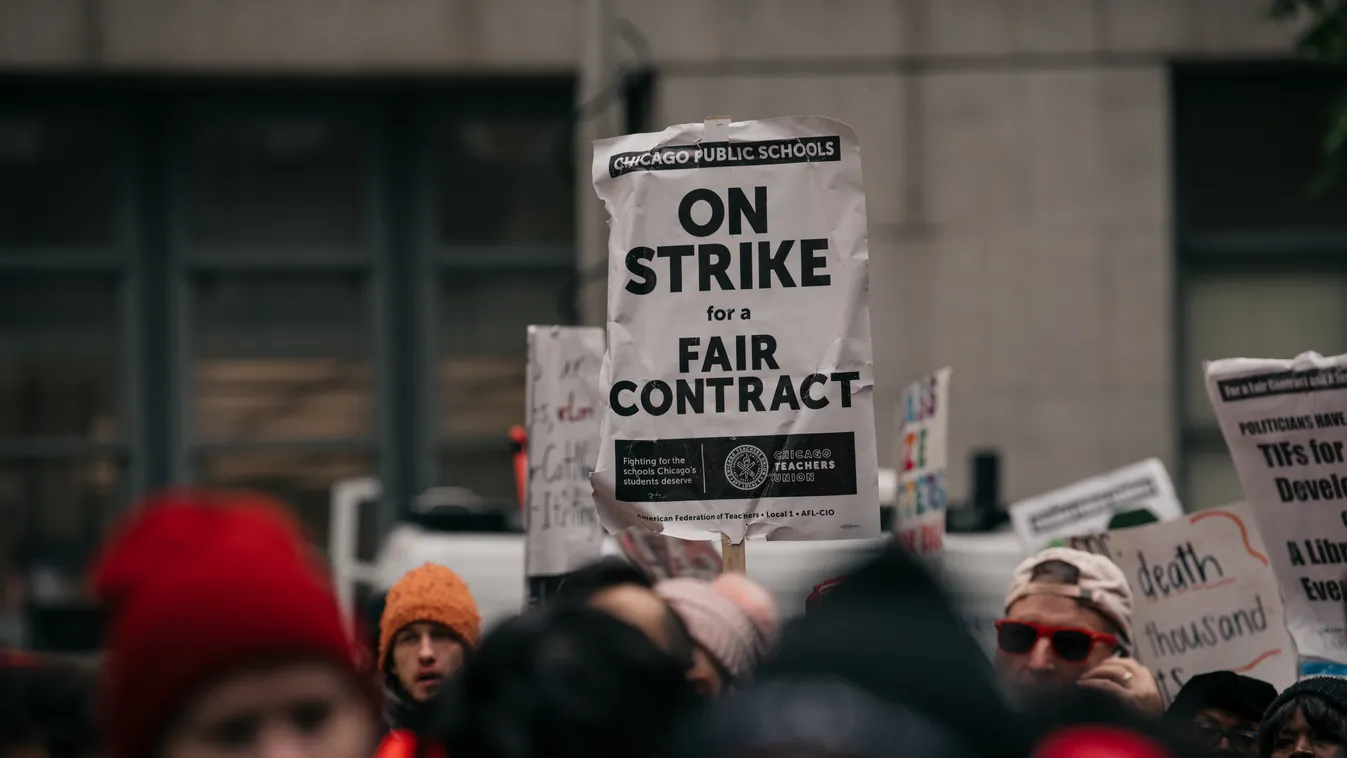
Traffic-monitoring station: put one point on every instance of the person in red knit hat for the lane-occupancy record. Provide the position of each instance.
(225, 637)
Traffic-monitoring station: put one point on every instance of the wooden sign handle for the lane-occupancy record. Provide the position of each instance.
(733, 558)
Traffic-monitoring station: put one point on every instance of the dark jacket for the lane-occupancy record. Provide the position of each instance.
(404, 719)
(401, 711)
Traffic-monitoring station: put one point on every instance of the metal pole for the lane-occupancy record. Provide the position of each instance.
(600, 111)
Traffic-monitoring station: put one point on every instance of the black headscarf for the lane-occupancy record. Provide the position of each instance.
(1242, 696)
(889, 632)
(815, 716)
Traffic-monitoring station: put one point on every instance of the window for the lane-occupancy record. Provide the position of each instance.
(505, 225)
(264, 285)
(302, 478)
(1248, 148)
(294, 182)
(1252, 312)
(1262, 261)
(63, 384)
(59, 180)
(284, 392)
(60, 357)
(282, 356)
(53, 513)
(60, 423)
(505, 179)
(278, 247)
(484, 319)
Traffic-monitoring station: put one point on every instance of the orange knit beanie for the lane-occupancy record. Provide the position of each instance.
(429, 593)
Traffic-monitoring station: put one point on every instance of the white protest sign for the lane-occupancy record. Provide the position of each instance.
(564, 403)
(922, 447)
(738, 375)
(1285, 422)
(1206, 598)
(1087, 506)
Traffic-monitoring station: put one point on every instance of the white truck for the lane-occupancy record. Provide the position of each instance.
(976, 567)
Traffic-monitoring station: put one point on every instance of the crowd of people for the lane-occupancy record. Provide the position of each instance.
(226, 641)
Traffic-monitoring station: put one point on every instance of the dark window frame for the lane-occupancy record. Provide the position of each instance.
(1202, 251)
(156, 269)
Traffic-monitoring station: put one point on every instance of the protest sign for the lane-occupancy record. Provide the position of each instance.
(563, 399)
(1086, 507)
(1206, 597)
(923, 452)
(738, 374)
(1285, 422)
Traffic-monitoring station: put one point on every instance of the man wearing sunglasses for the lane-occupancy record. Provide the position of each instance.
(1069, 622)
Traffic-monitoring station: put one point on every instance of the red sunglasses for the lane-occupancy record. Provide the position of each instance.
(1070, 643)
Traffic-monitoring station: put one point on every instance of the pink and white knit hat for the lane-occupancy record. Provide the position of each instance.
(753, 599)
(723, 629)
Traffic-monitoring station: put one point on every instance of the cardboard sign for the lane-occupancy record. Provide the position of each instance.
(738, 376)
(1206, 598)
(1285, 422)
(922, 447)
(1086, 507)
(564, 403)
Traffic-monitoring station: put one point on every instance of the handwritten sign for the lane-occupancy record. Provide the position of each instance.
(1285, 422)
(1206, 597)
(564, 405)
(922, 447)
(1087, 506)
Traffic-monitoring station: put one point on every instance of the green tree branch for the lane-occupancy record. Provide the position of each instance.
(1324, 39)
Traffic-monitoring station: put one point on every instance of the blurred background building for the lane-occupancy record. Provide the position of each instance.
(277, 243)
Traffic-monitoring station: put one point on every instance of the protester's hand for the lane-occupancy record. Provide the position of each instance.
(1128, 681)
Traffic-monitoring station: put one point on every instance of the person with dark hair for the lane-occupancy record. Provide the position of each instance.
(564, 682)
(1068, 621)
(603, 574)
(624, 591)
(1305, 720)
(1071, 723)
(46, 711)
(804, 718)
(886, 638)
(1221, 710)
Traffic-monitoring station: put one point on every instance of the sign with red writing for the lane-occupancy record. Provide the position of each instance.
(563, 403)
(1206, 597)
(922, 447)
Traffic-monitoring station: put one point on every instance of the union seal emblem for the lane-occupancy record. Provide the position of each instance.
(746, 467)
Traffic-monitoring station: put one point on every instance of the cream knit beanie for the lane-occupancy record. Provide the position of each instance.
(716, 623)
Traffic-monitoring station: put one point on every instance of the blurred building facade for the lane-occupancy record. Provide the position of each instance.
(277, 243)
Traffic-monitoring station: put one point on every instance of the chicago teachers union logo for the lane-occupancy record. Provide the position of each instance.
(746, 467)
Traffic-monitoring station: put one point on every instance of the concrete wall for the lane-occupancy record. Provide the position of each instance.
(522, 35)
(1017, 161)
